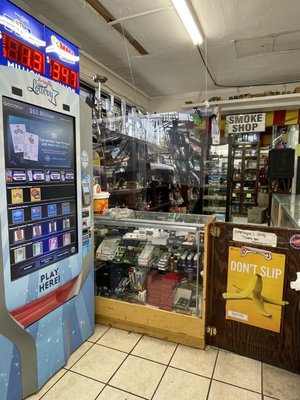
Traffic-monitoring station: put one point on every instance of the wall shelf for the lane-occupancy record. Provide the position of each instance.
(264, 103)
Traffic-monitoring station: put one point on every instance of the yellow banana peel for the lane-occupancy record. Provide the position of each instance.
(259, 305)
(245, 292)
(266, 299)
(254, 288)
(273, 301)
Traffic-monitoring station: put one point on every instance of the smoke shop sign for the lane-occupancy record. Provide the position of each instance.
(246, 123)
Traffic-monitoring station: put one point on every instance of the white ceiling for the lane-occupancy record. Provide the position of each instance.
(248, 42)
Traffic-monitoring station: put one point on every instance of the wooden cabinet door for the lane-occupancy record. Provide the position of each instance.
(281, 349)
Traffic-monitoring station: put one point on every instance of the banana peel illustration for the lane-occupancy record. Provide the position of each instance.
(257, 299)
(254, 288)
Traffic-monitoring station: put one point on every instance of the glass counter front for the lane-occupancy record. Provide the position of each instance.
(155, 259)
(285, 210)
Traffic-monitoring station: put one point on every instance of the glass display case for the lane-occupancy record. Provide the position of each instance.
(244, 184)
(155, 261)
(285, 210)
(215, 186)
(291, 215)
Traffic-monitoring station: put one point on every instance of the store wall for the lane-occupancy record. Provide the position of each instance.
(114, 84)
(178, 102)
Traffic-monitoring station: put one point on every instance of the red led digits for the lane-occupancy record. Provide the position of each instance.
(55, 70)
(26, 55)
(63, 74)
(73, 79)
(11, 48)
(22, 54)
(38, 61)
(33, 59)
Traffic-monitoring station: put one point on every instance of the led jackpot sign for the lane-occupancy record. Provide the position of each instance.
(27, 44)
(18, 52)
(63, 74)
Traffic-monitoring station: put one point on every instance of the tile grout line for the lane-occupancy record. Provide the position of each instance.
(136, 355)
(99, 394)
(128, 354)
(237, 386)
(87, 341)
(159, 362)
(122, 390)
(167, 366)
(144, 358)
(88, 377)
(53, 384)
(232, 384)
(262, 385)
(148, 359)
(69, 369)
(212, 374)
(189, 372)
(107, 383)
(111, 348)
(108, 329)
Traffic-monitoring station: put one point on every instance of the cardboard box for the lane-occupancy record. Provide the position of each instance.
(256, 215)
(263, 200)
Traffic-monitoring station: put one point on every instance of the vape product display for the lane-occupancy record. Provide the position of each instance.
(146, 255)
(154, 256)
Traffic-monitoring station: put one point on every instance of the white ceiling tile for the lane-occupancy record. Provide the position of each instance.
(251, 47)
(287, 41)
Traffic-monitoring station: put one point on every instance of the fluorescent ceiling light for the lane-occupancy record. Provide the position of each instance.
(188, 21)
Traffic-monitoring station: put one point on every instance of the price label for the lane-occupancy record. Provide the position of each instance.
(248, 195)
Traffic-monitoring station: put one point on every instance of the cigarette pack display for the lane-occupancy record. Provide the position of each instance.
(146, 255)
(148, 273)
(107, 249)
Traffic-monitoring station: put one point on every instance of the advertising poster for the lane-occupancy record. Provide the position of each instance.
(255, 287)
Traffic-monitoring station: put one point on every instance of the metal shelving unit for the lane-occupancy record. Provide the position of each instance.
(244, 182)
(215, 178)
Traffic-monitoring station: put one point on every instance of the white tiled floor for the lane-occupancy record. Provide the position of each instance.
(118, 365)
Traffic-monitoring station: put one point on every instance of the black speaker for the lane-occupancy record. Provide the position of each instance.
(281, 163)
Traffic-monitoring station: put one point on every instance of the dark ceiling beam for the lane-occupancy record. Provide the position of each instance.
(100, 9)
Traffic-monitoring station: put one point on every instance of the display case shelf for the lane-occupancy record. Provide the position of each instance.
(159, 206)
(210, 185)
(122, 192)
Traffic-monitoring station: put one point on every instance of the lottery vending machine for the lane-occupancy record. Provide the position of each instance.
(46, 243)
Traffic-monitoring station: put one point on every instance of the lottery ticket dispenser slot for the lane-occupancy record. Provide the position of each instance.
(86, 194)
(86, 205)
